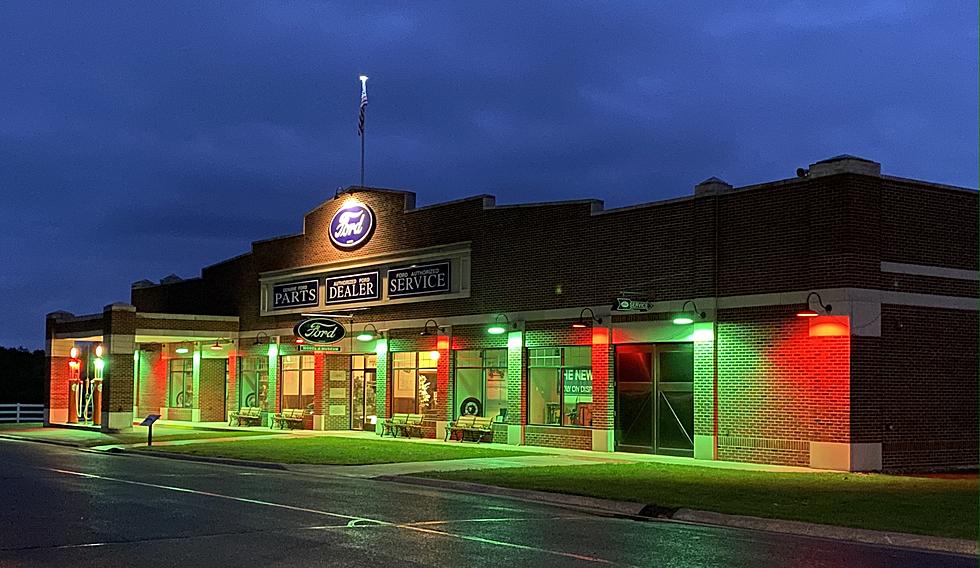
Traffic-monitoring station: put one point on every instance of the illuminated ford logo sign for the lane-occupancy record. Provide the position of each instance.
(320, 330)
(351, 226)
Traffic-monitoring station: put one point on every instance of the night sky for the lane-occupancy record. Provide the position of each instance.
(139, 139)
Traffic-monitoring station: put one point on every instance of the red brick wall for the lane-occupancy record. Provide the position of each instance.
(58, 374)
(152, 382)
(573, 438)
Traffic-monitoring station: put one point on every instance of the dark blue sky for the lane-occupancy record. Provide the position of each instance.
(139, 139)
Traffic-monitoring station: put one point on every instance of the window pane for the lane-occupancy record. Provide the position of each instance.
(307, 383)
(290, 383)
(357, 362)
(404, 360)
(495, 358)
(578, 356)
(307, 361)
(469, 392)
(544, 404)
(290, 362)
(370, 361)
(403, 397)
(677, 365)
(428, 359)
(468, 358)
(544, 357)
(496, 392)
(428, 397)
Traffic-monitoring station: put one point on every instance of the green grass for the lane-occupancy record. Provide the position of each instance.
(329, 450)
(928, 506)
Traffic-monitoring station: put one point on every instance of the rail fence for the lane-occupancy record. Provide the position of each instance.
(21, 412)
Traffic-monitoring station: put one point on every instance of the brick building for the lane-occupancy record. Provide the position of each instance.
(827, 320)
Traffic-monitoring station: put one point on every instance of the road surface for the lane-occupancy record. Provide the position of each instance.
(63, 507)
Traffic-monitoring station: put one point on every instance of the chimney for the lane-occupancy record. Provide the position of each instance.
(712, 186)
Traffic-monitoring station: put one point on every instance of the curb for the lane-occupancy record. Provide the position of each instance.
(42, 441)
(200, 459)
(650, 511)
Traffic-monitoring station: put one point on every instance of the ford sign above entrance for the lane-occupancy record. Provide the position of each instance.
(352, 225)
(320, 331)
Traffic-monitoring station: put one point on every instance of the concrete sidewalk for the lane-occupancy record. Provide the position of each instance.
(411, 468)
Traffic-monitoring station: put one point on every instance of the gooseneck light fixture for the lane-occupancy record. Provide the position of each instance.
(809, 312)
(368, 335)
(498, 327)
(259, 338)
(685, 316)
(582, 322)
(217, 346)
(427, 330)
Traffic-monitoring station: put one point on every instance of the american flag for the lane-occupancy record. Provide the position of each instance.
(360, 116)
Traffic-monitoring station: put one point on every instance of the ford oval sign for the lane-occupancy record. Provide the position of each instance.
(320, 330)
(351, 226)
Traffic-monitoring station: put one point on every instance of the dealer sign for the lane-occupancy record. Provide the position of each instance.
(320, 330)
(351, 226)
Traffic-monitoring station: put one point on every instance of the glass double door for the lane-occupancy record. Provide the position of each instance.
(655, 398)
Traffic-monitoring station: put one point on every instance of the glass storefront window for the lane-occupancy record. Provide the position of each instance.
(180, 378)
(363, 391)
(414, 381)
(297, 381)
(560, 391)
(481, 382)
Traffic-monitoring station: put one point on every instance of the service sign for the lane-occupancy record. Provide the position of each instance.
(419, 279)
(295, 294)
(320, 331)
(351, 226)
(628, 305)
(350, 288)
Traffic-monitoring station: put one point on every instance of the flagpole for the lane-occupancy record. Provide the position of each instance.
(360, 122)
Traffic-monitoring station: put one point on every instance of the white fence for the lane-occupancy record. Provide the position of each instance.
(21, 412)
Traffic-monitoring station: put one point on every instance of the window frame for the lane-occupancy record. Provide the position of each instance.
(416, 368)
(186, 373)
(299, 378)
(560, 368)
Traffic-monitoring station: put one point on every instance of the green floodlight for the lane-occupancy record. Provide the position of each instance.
(498, 327)
(687, 317)
(367, 335)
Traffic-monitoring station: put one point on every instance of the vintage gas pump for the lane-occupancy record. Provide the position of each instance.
(74, 384)
(96, 386)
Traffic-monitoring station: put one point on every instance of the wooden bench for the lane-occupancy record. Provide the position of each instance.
(393, 424)
(477, 426)
(289, 418)
(412, 425)
(249, 415)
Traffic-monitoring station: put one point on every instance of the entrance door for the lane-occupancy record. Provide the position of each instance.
(655, 398)
(363, 391)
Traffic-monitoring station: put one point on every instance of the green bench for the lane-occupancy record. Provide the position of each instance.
(403, 424)
(475, 426)
(246, 416)
(289, 418)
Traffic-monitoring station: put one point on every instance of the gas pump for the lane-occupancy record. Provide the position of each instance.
(95, 388)
(74, 384)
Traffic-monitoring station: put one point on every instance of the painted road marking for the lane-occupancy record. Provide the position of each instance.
(353, 519)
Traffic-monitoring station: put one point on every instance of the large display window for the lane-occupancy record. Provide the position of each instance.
(560, 386)
(414, 381)
(180, 379)
(481, 382)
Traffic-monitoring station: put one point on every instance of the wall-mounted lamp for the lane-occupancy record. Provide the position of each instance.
(217, 346)
(582, 322)
(367, 335)
(182, 349)
(809, 312)
(260, 338)
(427, 330)
(685, 316)
(498, 327)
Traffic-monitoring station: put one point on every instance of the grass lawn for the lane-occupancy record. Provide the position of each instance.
(329, 450)
(939, 507)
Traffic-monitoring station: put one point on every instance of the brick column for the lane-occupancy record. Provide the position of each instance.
(381, 402)
(704, 400)
(119, 323)
(340, 388)
(603, 417)
(319, 389)
(57, 373)
(516, 388)
(231, 402)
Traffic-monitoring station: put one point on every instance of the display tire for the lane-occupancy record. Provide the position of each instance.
(471, 405)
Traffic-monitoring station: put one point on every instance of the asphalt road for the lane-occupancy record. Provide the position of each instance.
(64, 507)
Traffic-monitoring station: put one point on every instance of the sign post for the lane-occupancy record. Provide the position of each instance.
(148, 422)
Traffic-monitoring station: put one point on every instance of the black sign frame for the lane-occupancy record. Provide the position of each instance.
(309, 303)
(444, 265)
(376, 274)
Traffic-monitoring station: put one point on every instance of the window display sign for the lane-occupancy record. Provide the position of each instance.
(351, 288)
(419, 279)
(578, 381)
(295, 294)
(320, 331)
